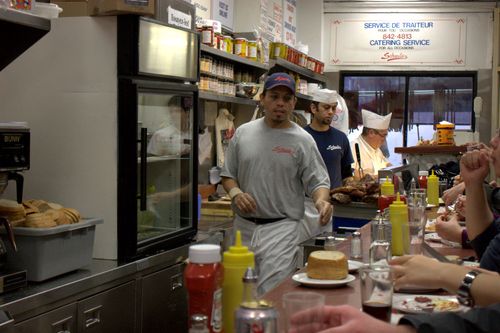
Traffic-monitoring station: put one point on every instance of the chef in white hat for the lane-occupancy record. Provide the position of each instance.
(335, 151)
(375, 130)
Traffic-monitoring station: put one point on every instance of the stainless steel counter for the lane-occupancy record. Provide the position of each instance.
(100, 275)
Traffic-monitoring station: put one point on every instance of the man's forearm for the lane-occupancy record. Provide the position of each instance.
(229, 184)
(321, 193)
(478, 216)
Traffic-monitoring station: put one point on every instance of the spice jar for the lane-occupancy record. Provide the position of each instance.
(356, 246)
(207, 35)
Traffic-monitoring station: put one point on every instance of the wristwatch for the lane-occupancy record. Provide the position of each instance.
(463, 293)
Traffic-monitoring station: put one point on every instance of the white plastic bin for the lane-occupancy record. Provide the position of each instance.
(48, 252)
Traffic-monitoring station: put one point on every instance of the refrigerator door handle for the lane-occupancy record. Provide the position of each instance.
(143, 166)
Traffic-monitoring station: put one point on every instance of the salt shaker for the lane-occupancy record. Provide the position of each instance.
(329, 243)
(356, 246)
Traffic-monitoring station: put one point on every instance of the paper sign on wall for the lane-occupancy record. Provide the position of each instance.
(290, 22)
(202, 9)
(178, 18)
(271, 19)
(397, 39)
(222, 10)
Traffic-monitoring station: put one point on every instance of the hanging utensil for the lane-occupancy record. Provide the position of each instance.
(358, 158)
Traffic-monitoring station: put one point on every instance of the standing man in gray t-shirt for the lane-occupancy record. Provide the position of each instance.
(269, 165)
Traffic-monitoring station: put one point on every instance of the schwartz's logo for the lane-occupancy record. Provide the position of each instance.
(391, 56)
(282, 78)
(283, 150)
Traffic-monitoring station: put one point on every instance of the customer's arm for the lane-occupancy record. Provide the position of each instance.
(321, 198)
(474, 167)
(425, 271)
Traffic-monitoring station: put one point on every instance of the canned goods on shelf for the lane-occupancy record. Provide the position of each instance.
(241, 47)
(228, 42)
(219, 42)
(311, 63)
(207, 35)
(252, 50)
(302, 59)
(278, 50)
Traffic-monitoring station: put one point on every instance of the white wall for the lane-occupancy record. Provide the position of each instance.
(65, 87)
(310, 25)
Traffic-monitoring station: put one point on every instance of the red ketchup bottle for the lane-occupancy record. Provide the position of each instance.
(422, 178)
(203, 277)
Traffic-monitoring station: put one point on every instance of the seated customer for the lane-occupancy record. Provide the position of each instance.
(483, 229)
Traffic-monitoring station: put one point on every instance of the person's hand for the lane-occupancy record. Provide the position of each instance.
(416, 270)
(474, 166)
(451, 194)
(340, 319)
(460, 206)
(245, 203)
(325, 210)
(457, 180)
(447, 227)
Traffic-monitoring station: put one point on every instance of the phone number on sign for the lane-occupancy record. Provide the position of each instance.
(396, 36)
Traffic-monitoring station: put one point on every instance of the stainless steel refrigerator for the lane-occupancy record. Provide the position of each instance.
(157, 136)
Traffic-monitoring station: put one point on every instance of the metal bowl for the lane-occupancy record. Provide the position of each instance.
(247, 90)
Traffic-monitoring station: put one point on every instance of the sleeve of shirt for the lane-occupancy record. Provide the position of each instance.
(230, 168)
(475, 320)
(487, 247)
(313, 170)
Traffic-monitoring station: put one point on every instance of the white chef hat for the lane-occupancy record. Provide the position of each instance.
(324, 96)
(375, 121)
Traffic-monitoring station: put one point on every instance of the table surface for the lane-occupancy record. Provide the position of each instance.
(349, 294)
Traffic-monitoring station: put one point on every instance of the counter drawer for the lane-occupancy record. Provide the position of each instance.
(59, 320)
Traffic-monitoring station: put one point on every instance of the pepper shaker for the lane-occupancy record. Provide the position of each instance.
(329, 243)
(356, 246)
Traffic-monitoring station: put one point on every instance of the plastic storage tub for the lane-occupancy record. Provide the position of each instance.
(48, 252)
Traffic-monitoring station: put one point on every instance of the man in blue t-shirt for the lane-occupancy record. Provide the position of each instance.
(335, 150)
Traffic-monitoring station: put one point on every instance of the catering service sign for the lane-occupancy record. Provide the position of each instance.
(398, 39)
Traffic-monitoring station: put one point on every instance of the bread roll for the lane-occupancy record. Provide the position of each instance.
(327, 265)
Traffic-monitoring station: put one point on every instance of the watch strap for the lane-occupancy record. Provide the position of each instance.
(463, 293)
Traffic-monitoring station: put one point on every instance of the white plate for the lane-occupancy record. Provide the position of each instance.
(429, 206)
(304, 280)
(408, 304)
(354, 265)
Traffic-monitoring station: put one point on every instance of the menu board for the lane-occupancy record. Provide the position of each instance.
(271, 18)
(398, 39)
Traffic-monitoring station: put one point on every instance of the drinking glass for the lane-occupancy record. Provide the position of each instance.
(294, 302)
(417, 219)
(376, 291)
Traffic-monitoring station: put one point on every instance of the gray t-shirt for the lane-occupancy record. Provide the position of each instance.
(276, 167)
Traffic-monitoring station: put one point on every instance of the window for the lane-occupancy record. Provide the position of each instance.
(417, 102)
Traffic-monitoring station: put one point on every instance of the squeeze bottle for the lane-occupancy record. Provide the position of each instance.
(422, 178)
(398, 215)
(236, 261)
(203, 277)
(433, 189)
(387, 187)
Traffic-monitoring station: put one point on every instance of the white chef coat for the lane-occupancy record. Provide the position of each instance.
(372, 160)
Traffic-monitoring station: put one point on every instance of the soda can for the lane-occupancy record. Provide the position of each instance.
(256, 318)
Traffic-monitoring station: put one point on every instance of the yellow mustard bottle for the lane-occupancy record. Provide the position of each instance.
(433, 189)
(235, 261)
(398, 215)
(387, 187)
